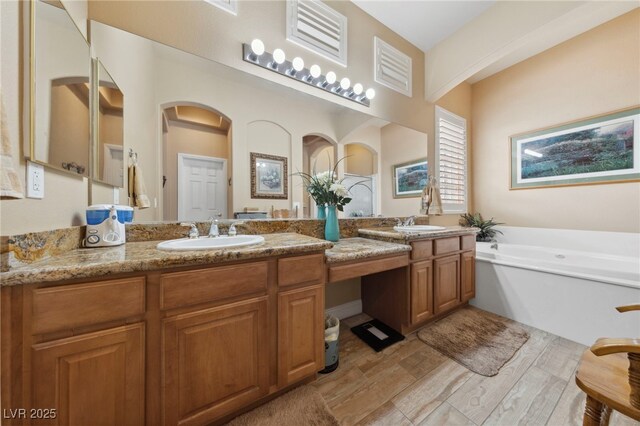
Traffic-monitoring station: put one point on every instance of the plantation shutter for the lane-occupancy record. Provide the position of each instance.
(451, 160)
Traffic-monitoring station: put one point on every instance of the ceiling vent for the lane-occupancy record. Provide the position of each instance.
(393, 68)
(315, 26)
(230, 6)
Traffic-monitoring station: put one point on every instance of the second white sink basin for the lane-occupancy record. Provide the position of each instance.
(206, 243)
(418, 228)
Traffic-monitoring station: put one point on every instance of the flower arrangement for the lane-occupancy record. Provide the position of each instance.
(326, 189)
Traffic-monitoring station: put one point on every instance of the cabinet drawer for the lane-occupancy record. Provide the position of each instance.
(205, 285)
(301, 269)
(421, 250)
(446, 245)
(468, 242)
(69, 306)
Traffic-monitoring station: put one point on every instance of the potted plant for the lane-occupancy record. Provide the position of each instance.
(487, 233)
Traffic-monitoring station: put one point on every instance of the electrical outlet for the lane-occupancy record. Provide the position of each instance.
(116, 195)
(35, 180)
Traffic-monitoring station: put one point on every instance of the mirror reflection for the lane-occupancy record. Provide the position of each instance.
(110, 151)
(203, 130)
(61, 68)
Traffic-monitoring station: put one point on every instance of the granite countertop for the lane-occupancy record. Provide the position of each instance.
(144, 256)
(362, 248)
(388, 234)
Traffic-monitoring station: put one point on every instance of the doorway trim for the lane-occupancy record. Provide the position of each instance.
(108, 159)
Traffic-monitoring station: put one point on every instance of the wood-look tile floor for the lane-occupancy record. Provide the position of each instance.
(410, 383)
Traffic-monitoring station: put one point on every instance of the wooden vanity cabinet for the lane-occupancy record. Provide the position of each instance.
(442, 277)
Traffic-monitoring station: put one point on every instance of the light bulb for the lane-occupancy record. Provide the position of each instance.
(331, 77)
(357, 89)
(278, 56)
(345, 83)
(370, 94)
(315, 71)
(257, 47)
(298, 63)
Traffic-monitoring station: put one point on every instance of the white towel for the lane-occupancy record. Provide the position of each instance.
(434, 196)
(10, 183)
(137, 190)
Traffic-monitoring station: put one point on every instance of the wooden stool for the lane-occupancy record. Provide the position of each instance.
(609, 373)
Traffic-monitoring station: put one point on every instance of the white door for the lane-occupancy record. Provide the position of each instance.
(202, 187)
(113, 167)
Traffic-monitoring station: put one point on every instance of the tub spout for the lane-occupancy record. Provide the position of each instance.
(494, 245)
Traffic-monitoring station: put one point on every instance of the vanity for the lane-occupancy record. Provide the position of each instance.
(136, 335)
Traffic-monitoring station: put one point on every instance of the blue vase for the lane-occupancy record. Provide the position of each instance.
(322, 212)
(331, 226)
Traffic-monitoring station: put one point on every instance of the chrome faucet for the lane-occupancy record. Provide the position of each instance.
(411, 220)
(232, 229)
(193, 232)
(213, 228)
(494, 245)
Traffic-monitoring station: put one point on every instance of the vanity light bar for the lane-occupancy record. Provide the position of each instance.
(295, 69)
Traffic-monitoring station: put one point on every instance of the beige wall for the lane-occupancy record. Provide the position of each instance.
(360, 160)
(594, 73)
(69, 128)
(187, 139)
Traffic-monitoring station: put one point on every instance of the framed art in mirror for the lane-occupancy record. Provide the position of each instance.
(269, 176)
(409, 178)
(596, 150)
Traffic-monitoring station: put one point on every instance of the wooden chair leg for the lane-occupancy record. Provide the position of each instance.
(594, 413)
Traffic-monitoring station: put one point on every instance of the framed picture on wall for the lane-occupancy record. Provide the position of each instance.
(602, 149)
(269, 178)
(410, 178)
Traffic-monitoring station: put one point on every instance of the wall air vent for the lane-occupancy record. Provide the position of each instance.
(392, 67)
(230, 6)
(317, 27)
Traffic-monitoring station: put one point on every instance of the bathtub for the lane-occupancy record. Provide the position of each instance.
(567, 292)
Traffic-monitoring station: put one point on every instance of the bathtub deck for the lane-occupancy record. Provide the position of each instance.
(410, 383)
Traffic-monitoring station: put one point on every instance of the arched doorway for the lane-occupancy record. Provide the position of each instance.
(319, 154)
(361, 170)
(196, 162)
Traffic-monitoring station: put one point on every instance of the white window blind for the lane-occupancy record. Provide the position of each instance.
(392, 67)
(230, 6)
(317, 27)
(451, 160)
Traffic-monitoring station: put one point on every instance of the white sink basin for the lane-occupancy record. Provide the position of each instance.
(206, 243)
(418, 228)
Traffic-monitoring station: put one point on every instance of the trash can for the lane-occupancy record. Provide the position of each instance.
(331, 351)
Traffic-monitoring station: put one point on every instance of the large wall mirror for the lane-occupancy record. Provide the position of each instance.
(60, 90)
(109, 141)
(195, 126)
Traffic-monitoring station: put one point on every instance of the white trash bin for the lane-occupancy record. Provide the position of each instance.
(331, 349)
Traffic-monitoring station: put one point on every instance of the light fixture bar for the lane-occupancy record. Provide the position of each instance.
(304, 75)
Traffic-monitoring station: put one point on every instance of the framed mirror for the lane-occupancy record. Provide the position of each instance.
(60, 70)
(109, 117)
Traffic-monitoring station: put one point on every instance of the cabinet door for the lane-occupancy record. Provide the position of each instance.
(300, 333)
(421, 291)
(92, 379)
(446, 283)
(215, 361)
(468, 275)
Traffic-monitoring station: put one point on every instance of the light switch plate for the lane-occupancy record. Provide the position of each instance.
(35, 180)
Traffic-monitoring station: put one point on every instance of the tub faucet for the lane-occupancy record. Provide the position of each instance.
(193, 232)
(494, 245)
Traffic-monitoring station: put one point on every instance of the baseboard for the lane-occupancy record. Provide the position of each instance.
(346, 310)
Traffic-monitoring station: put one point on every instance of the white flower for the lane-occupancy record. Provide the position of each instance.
(339, 189)
(325, 177)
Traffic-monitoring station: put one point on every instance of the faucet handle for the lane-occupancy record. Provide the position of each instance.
(193, 232)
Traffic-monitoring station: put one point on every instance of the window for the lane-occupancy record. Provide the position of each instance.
(315, 26)
(393, 68)
(230, 6)
(451, 160)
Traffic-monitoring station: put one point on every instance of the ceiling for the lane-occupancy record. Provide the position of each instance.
(424, 22)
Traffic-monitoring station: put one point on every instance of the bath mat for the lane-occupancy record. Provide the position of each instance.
(481, 341)
(377, 334)
(301, 406)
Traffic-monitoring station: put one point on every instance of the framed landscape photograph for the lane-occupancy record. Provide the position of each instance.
(603, 149)
(269, 178)
(410, 178)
